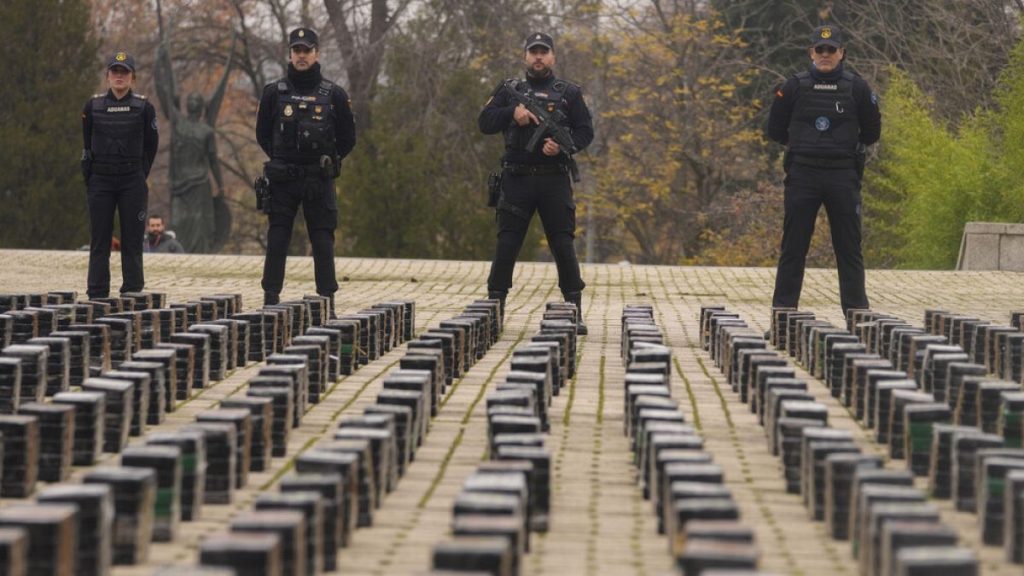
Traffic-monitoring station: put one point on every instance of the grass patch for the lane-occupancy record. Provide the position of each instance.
(689, 393)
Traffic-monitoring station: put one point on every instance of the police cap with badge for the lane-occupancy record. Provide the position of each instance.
(121, 60)
(539, 39)
(827, 36)
(303, 37)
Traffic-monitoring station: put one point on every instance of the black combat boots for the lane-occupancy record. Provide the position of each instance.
(500, 296)
(331, 314)
(577, 299)
(271, 298)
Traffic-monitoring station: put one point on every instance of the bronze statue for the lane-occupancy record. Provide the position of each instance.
(197, 216)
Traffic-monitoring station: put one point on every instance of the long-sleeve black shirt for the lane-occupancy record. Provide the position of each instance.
(305, 84)
(150, 135)
(868, 115)
(498, 116)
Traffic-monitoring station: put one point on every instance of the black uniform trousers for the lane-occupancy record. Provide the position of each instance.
(807, 188)
(320, 209)
(550, 195)
(128, 194)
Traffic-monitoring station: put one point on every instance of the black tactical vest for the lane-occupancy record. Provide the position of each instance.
(824, 123)
(117, 129)
(553, 97)
(303, 125)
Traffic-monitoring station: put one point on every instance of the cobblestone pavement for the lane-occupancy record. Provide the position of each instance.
(599, 522)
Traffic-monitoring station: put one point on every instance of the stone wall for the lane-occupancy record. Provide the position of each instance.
(992, 246)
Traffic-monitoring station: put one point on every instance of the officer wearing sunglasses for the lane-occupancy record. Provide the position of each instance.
(825, 116)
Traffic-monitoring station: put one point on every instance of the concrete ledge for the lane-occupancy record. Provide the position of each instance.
(992, 246)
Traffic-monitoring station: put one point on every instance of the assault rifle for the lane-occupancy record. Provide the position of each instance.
(549, 124)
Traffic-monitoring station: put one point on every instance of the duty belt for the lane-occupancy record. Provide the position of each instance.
(535, 169)
(824, 162)
(115, 169)
(281, 171)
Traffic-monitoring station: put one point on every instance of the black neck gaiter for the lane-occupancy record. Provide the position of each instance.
(305, 80)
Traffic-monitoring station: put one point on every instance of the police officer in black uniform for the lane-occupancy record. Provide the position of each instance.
(537, 180)
(825, 116)
(120, 141)
(306, 127)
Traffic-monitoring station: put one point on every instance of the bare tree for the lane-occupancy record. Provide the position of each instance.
(359, 33)
(953, 49)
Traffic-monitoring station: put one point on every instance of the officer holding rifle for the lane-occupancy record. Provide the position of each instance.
(545, 121)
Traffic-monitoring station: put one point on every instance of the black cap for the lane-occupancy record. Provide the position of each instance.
(303, 37)
(539, 39)
(122, 59)
(830, 35)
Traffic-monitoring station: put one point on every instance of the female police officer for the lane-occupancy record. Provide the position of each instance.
(120, 137)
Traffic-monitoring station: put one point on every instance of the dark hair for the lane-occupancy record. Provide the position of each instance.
(156, 216)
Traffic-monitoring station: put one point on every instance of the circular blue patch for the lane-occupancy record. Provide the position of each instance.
(822, 123)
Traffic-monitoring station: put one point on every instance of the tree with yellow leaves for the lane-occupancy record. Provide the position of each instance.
(680, 137)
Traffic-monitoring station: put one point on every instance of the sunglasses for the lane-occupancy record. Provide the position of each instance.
(825, 49)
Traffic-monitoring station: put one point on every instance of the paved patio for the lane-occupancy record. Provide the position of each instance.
(599, 522)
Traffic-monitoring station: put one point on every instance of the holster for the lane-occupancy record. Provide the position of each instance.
(86, 164)
(493, 189)
(330, 167)
(574, 170)
(263, 194)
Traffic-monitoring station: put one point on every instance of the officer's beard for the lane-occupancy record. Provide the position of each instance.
(538, 74)
(152, 237)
